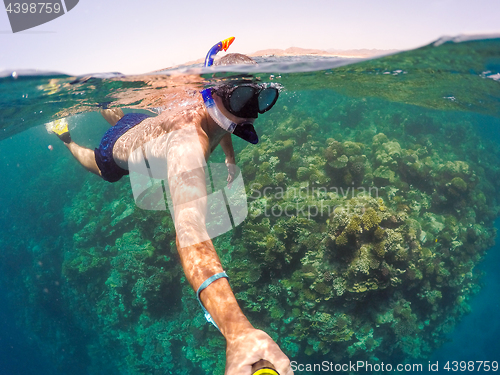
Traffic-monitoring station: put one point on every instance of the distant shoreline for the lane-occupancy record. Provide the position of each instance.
(297, 51)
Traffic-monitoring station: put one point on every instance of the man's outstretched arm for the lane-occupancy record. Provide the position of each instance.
(187, 185)
(245, 344)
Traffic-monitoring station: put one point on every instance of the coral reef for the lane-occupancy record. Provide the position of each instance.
(360, 259)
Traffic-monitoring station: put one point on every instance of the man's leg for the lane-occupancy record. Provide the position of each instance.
(112, 115)
(85, 157)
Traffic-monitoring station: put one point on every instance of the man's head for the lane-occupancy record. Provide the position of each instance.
(234, 59)
(239, 102)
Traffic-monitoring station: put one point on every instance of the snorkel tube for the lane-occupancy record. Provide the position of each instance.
(215, 113)
(224, 45)
(212, 109)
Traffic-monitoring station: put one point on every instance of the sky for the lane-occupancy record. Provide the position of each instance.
(131, 36)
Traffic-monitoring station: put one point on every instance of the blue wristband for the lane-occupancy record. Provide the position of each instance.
(206, 283)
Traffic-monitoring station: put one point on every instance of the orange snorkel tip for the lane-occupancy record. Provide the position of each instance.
(227, 42)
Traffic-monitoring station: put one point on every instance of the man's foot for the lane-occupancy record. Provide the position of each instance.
(103, 105)
(60, 128)
(65, 137)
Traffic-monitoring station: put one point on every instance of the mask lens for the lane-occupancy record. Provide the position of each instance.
(240, 97)
(267, 98)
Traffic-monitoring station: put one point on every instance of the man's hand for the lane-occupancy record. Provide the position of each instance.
(231, 171)
(227, 146)
(245, 349)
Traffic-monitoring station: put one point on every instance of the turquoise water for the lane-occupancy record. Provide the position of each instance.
(404, 272)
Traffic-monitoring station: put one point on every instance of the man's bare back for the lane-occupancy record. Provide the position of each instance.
(187, 110)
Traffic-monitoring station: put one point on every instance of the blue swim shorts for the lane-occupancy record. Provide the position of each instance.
(110, 171)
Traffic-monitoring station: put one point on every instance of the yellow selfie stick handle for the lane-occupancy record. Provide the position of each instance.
(263, 367)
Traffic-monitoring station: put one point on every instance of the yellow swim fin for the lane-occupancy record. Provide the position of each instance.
(60, 128)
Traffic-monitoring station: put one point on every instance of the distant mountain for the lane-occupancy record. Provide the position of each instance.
(297, 51)
(364, 51)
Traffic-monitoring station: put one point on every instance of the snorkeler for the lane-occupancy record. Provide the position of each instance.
(212, 117)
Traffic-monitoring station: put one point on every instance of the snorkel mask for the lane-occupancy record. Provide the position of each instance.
(248, 99)
(245, 100)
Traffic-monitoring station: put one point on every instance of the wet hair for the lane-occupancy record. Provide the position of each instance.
(234, 59)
